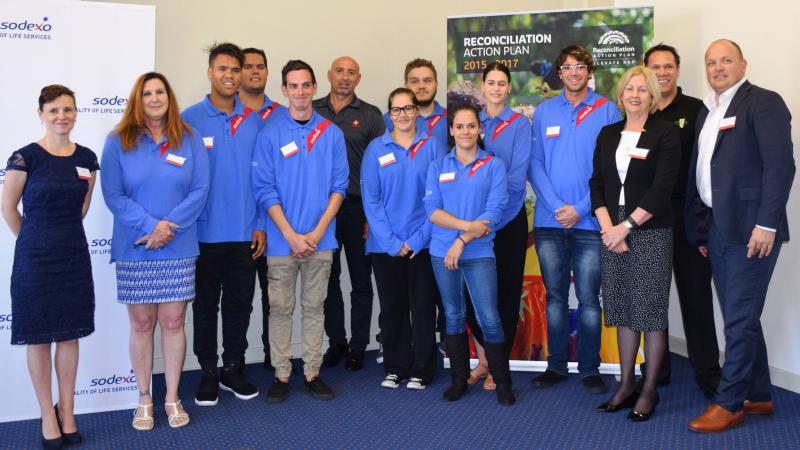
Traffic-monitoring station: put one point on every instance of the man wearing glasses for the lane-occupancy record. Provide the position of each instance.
(361, 123)
(567, 235)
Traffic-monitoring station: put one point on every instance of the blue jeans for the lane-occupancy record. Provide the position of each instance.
(563, 251)
(481, 280)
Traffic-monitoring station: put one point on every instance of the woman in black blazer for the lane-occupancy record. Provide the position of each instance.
(636, 164)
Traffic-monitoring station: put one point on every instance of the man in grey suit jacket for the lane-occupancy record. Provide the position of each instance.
(739, 182)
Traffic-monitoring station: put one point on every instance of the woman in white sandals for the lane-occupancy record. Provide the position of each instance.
(156, 187)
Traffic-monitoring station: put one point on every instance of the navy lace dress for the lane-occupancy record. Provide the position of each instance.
(52, 294)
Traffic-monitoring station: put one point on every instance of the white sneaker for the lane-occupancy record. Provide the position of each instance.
(415, 383)
(391, 381)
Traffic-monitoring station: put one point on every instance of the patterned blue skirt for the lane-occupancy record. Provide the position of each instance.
(160, 281)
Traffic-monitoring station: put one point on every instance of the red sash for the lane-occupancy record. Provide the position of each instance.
(238, 119)
(503, 125)
(478, 164)
(164, 147)
(313, 137)
(417, 147)
(267, 111)
(586, 110)
(434, 120)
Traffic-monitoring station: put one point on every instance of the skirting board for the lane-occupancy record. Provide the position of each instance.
(254, 354)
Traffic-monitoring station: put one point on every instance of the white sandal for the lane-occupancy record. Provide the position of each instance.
(146, 421)
(178, 418)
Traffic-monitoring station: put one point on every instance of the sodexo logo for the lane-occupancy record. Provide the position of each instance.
(2, 176)
(101, 246)
(29, 29)
(105, 105)
(109, 383)
(5, 321)
(613, 37)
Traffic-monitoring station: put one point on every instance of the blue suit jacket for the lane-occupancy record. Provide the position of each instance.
(752, 169)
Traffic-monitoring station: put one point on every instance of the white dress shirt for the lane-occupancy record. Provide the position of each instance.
(627, 142)
(708, 141)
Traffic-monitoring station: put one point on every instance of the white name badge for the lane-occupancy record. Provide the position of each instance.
(638, 153)
(445, 177)
(553, 131)
(208, 141)
(728, 122)
(289, 149)
(175, 159)
(387, 159)
(83, 173)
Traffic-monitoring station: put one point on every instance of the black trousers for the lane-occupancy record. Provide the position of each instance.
(406, 291)
(350, 234)
(509, 251)
(263, 283)
(225, 268)
(693, 281)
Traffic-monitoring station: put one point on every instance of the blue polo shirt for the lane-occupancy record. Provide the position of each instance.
(477, 191)
(149, 183)
(508, 137)
(269, 110)
(434, 124)
(299, 167)
(392, 188)
(230, 213)
(561, 161)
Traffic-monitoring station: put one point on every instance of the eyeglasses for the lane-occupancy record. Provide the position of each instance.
(408, 109)
(579, 68)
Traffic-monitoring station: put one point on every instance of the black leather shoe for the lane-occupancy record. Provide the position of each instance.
(51, 444)
(547, 379)
(354, 361)
(319, 389)
(67, 438)
(334, 353)
(629, 402)
(636, 416)
(594, 384)
(278, 391)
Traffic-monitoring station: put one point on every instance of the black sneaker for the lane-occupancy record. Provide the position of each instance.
(232, 380)
(334, 353)
(354, 361)
(547, 379)
(278, 391)
(594, 384)
(208, 392)
(319, 389)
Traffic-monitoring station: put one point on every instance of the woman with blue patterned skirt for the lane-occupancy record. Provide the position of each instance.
(156, 187)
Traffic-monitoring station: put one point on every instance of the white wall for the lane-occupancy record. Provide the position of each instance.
(383, 36)
(768, 34)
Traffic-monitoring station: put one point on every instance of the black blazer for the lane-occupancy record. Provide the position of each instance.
(752, 169)
(648, 183)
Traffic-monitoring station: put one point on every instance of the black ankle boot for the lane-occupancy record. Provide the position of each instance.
(458, 352)
(498, 367)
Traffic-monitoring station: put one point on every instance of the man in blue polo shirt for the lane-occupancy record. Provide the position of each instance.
(420, 76)
(230, 233)
(300, 177)
(567, 235)
(251, 93)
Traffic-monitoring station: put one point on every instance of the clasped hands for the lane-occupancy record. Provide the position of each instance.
(304, 245)
(614, 238)
(161, 235)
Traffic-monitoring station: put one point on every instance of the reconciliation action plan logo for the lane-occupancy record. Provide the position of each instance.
(27, 29)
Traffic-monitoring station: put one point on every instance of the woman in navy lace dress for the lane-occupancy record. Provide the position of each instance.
(52, 295)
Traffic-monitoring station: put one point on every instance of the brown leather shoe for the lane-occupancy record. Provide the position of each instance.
(759, 408)
(716, 419)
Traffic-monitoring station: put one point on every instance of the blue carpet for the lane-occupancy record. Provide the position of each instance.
(364, 415)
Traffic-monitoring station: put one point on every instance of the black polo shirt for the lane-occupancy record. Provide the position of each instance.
(361, 123)
(683, 113)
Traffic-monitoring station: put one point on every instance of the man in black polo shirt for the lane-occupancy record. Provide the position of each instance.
(692, 270)
(361, 123)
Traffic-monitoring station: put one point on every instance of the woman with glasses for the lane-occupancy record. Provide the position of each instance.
(52, 293)
(636, 164)
(506, 135)
(155, 186)
(465, 196)
(393, 175)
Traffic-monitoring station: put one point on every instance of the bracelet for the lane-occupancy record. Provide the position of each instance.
(462, 240)
(632, 222)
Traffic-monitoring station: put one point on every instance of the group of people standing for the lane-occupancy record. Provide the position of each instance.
(432, 200)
